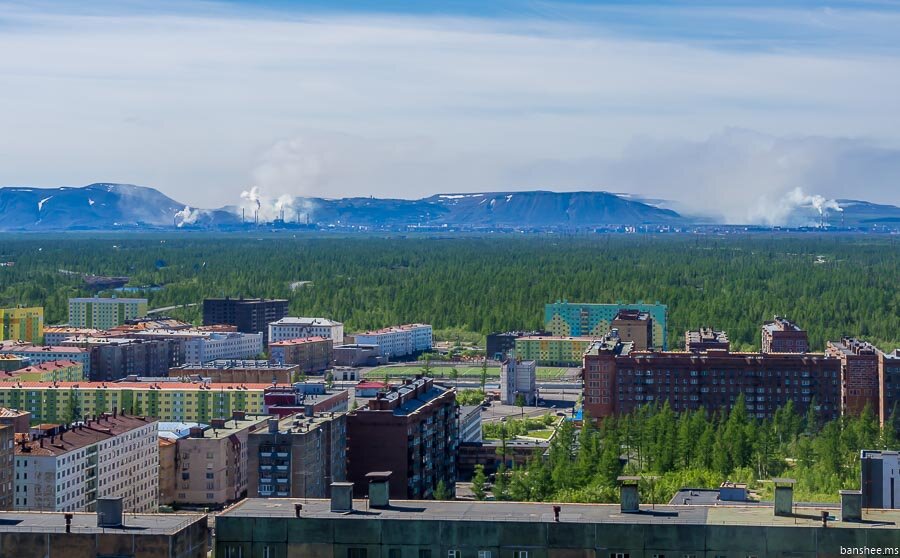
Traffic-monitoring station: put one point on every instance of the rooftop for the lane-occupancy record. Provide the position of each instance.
(751, 515)
(631, 315)
(705, 335)
(48, 366)
(852, 346)
(29, 348)
(80, 436)
(86, 523)
(160, 385)
(301, 424)
(781, 324)
(103, 299)
(406, 398)
(228, 364)
(325, 322)
(556, 338)
(298, 341)
(394, 329)
(11, 413)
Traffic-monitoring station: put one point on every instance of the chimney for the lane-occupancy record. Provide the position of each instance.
(69, 517)
(342, 497)
(196, 432)
(784, 496)
(238, 415)
(379, 489)
(109, 512)
(218, 423)
(308, 410)
(629, 499)
(115, 411)
(851, 505)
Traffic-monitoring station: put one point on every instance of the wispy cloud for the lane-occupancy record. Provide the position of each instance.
(204, 100)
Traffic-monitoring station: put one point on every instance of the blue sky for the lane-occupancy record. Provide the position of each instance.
(735, 104)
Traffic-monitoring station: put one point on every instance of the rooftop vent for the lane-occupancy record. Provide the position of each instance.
(342, 497)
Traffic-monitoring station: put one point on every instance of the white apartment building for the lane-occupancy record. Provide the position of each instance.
(105, 313)
(518, 377)
(295, 328)
(399, 341)
(216, 346)
(67, 470)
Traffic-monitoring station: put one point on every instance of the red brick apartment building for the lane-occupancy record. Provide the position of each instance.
(783, 336)
(410, 431)
(859, 373)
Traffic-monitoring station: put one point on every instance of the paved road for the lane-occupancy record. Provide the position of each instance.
(167, 308)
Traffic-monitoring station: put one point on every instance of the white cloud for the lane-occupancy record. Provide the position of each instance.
(203, 103)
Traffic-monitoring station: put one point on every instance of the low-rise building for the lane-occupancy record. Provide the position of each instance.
(112, 533)
(311, 354)
(55, 335)
(239, 371)
(705, 339)
(37, 354)
(518, 378)
(298, 456)
(70, 467)
(67, 402)
(356, 355)
(296, 328)
(50, 371)
(880, 479)
(211, 461)
(12, 362)
(498, 345)
(411, 431)
(400, 341)
(19, 420)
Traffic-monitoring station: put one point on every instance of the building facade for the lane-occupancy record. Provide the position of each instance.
(71, 467)
(310, 354)
(398, 342)
(783, 336)
(634, 326)
(470, 424)
(67, 402)
(104, 313)
(239, 371)
(498, 345)
(571, 319)
(37, 354)
(113, 358)
(859, 374)
(22, 324)
(553, 351)
(518, 378)
(298, 456)
(296, 328)
(305, 398)
(357, 355)
(51, 371)
(880, 479)
(889, 386)
(249, 315)
(412, 432)
(219, 346)
(56, 335)
(617, 380)
(7, 465)
(168, 453)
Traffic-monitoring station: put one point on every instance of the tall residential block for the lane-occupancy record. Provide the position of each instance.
(518, 378)
(310, 354)
(783, 336)
(859, 374)
(634, 326)
(105, 313)
(212, 461)
(249, 315)
(410, 431)
(298, 456)
(400, 341)
(573, 319)
(617, 380)
(295, 328)
(889, 386)
(22, 324)
(113, 358)
(67, 402)
(68, 468)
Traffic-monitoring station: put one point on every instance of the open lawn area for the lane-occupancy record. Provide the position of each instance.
(465, 370)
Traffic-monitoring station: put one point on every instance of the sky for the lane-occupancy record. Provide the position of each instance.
(736, 109)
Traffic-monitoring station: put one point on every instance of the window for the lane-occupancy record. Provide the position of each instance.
(454, 554)
(484, 554)
(356, 553)
(424, 553)
(234, 552)
(394, 553)
(520, 554)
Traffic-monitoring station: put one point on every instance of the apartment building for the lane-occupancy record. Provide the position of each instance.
(298, 456)
(7, 465)
(113, 358)
(305, 398)
(400, 341)
(499, 344)
(888, 385)
(239, 371)
(56, 335)
(211, 461)
(37, 354)
(168, 452)
(518, 378)
(579, 319)
(783, 336)
(104, 313)
(859, 374)
(411, 431)
(249, 315)
(296, 328)
(19, 420)
(618, 379)
(51, 371)
(22, 324)
(310, 354)
(12, 362)
(67, 402)
(553, 351)
(634, 326)
(70, 467)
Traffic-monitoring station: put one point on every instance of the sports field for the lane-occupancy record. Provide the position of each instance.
(464, 370)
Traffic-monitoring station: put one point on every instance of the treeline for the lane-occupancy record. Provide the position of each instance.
(692, 449)
(485, 284)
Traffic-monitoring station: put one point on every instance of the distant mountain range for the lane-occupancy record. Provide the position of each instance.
(122, 206)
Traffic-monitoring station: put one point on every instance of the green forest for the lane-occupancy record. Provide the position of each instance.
(831, 284)
(676, 450)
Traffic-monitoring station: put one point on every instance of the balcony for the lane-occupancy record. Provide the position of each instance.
(281, 481)
(281, 454)
(282, 494)
(265, 454)
(265, 467)
(281, 467)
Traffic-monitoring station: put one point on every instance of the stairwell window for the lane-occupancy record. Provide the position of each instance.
(454, 554)
(521, 554)
(484, 554)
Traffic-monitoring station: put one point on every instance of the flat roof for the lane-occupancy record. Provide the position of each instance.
(305, 322)
(78, 437)
(235, 364)
(86, 523)
(162, 385)
(660, 514)
(105, 299)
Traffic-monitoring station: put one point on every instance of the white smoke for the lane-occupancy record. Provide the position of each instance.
(187, 216)
(257, 204)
